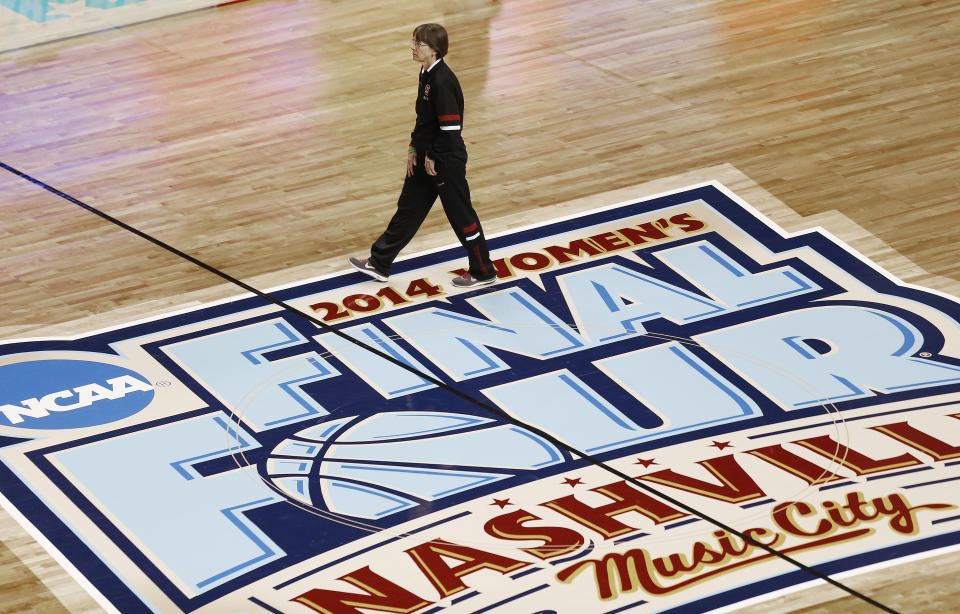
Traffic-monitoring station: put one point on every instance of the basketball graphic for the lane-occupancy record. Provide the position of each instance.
(386, 463)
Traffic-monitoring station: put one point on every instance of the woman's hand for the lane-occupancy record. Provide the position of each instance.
(411, 162)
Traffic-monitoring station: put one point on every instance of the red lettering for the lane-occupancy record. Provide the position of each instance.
(446, 579)
(735, 485)
(382, 596)
(502, 268)
(903, 432)
(611, 241)
(851, 459)
(809, 472)
(531, 261)
(626, 499)
(557, 541)
(643, 233)
(784, 517)
(686, 222)
(576, 248)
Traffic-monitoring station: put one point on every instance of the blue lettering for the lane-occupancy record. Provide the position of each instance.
(823, 354)
(190, 524)
(457, 343)
(723, 278)
(611, 301)
(383, 376)
(265, 394)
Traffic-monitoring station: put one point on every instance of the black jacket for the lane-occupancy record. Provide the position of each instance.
(439, 116)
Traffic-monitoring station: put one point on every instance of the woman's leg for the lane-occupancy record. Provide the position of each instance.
(417, 196)
(454, 193)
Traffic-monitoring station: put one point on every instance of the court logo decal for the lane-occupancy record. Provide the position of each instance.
(47, 10)
(237, 457)
(30, 22)
(55, 394)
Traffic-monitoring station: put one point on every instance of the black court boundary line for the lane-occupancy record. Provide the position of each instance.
(462, 395)
(121, 26)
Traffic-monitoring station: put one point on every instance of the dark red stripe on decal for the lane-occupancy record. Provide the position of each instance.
(449, 118)
(470, 228)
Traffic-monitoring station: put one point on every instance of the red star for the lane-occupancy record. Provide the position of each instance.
(721, 445)
(646, 462)
(501, 502)
(572, 482)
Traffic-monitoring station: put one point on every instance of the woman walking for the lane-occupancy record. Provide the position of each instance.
(436, 166)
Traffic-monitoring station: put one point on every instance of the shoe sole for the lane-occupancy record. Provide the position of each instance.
(485, 282)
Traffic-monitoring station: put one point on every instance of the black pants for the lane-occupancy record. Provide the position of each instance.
(420, 191)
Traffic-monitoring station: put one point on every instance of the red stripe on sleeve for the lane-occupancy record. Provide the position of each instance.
(449, 118)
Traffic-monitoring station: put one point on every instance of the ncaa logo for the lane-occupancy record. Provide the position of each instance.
(69, 394)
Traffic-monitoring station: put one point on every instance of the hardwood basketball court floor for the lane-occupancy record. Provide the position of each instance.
(266, 139)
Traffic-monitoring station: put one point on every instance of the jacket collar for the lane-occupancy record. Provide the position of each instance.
(422, 71)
